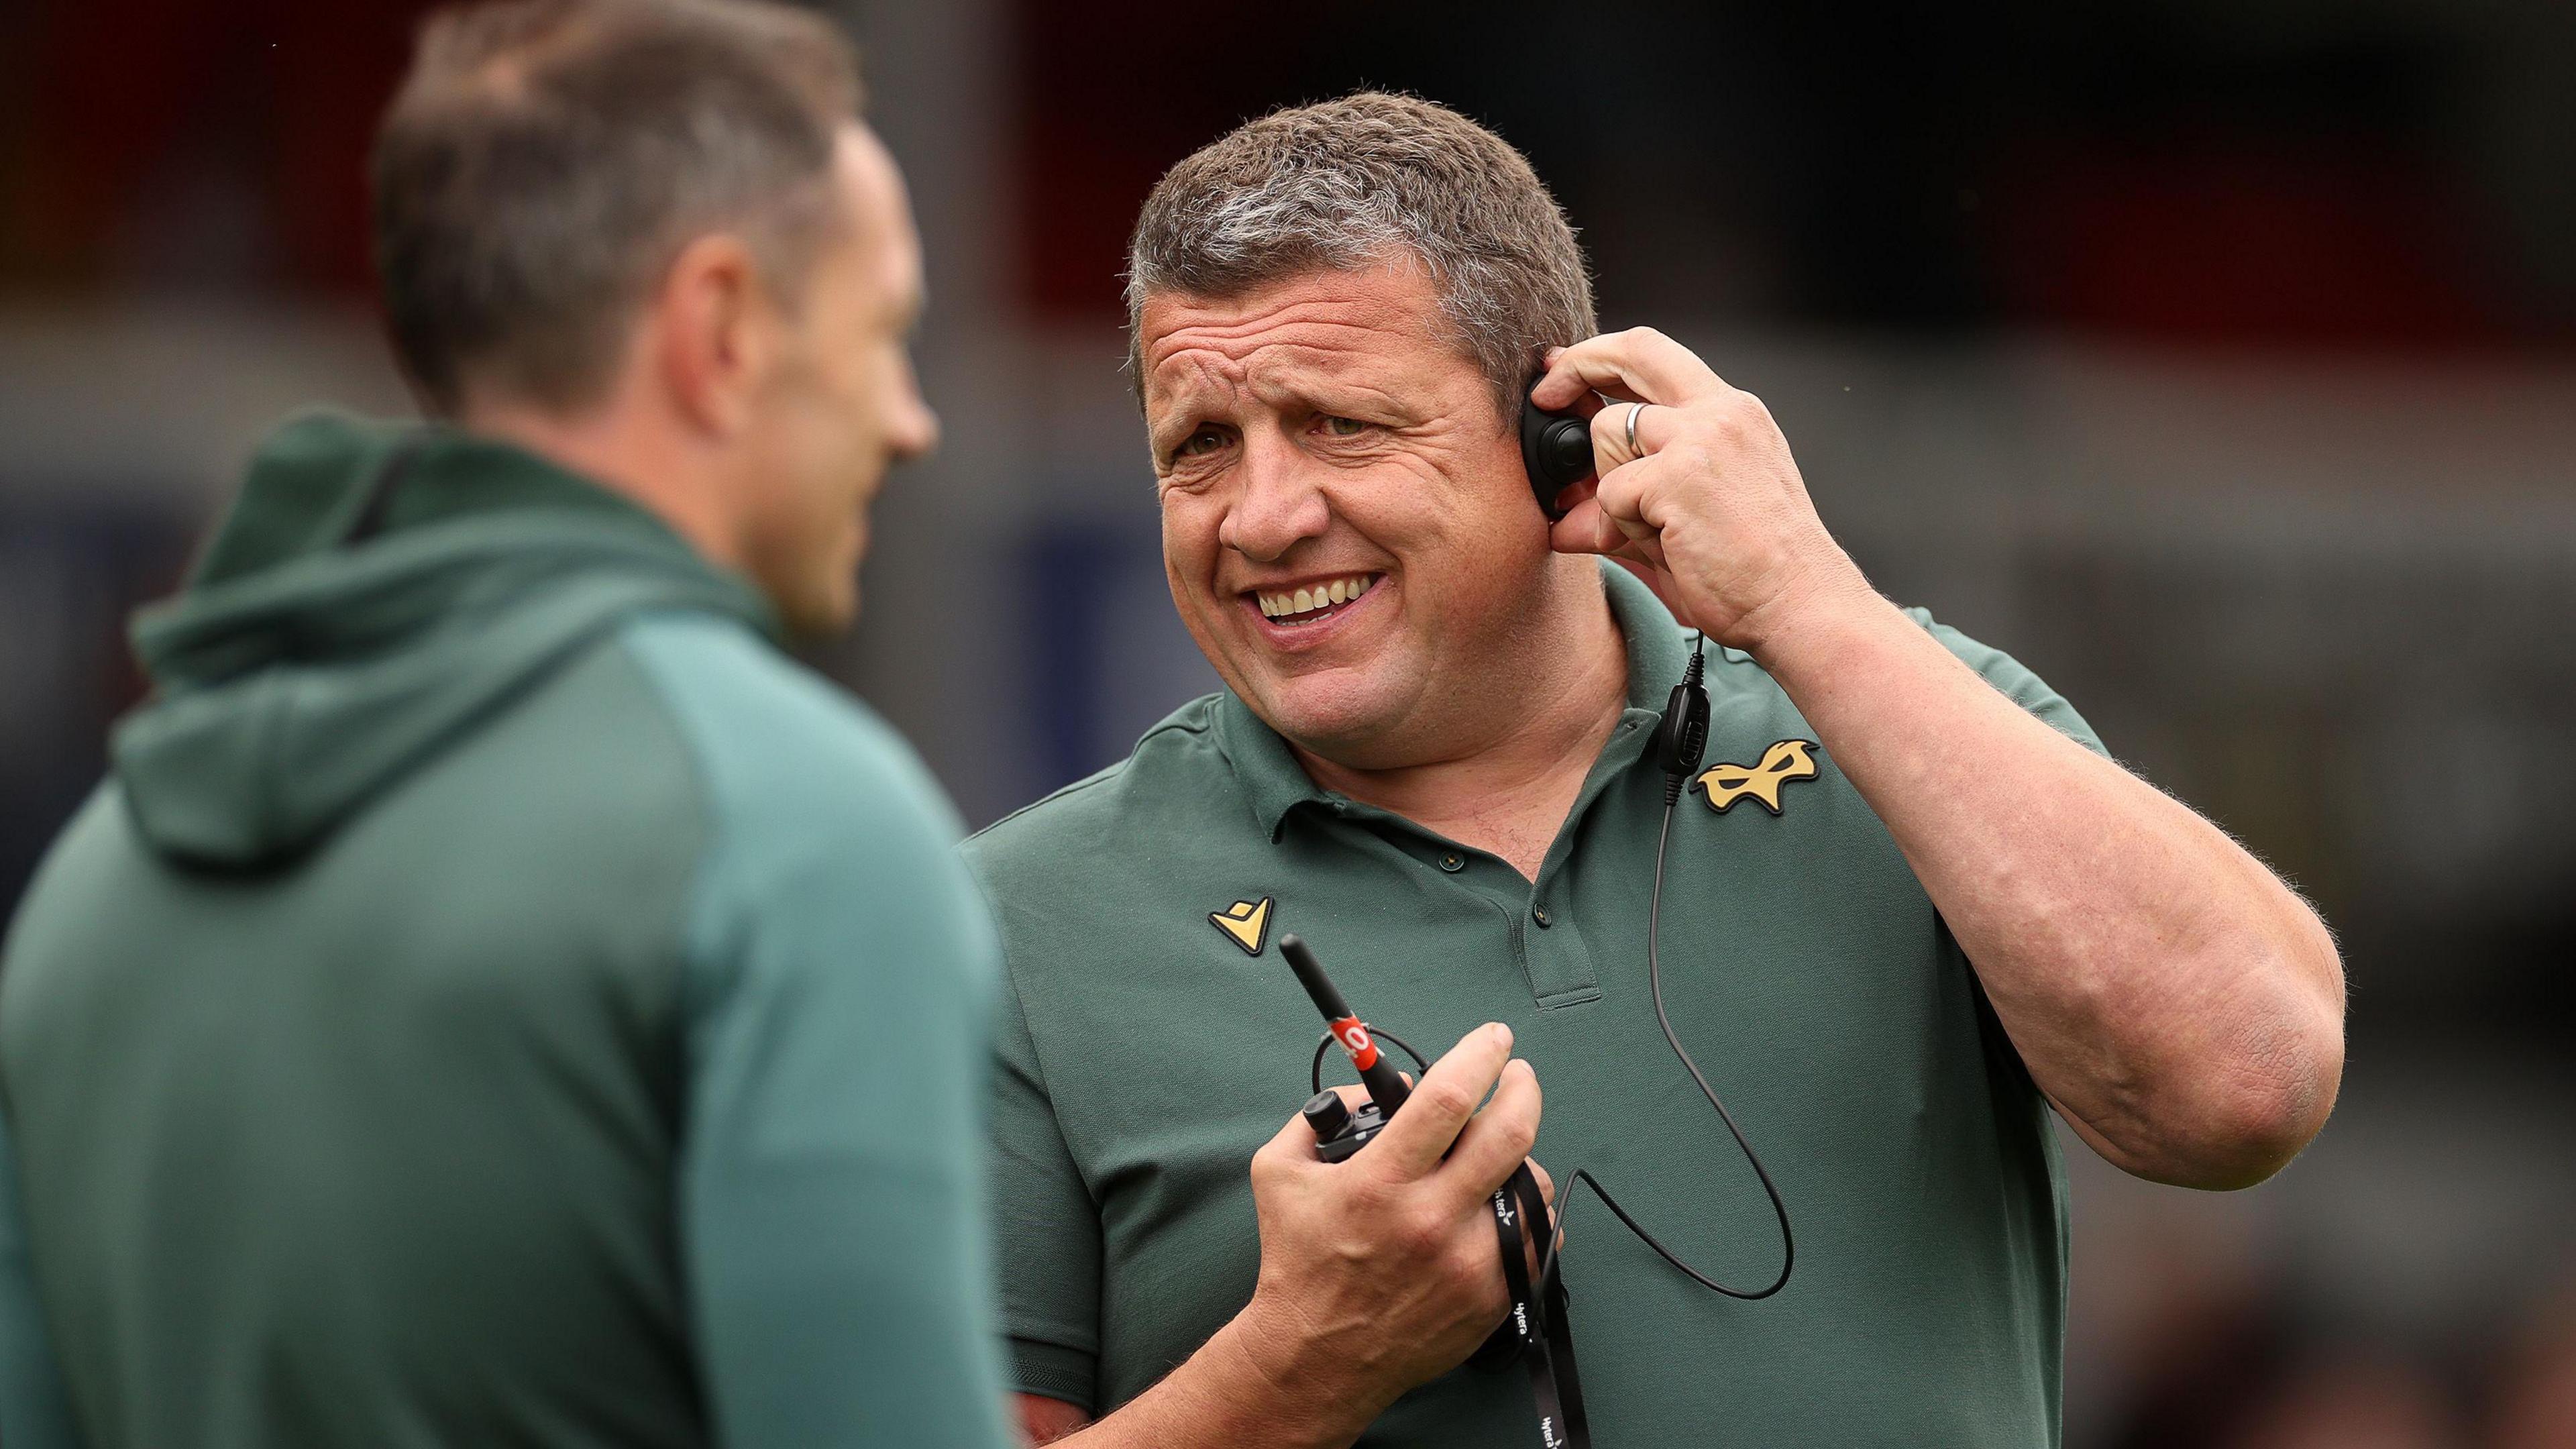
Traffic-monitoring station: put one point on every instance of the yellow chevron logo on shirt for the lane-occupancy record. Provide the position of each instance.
(1245, 923)
(1785, 761)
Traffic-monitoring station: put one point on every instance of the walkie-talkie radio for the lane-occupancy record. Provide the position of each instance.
(1536, 1326)
(1340, 1131)
(1536, 1330)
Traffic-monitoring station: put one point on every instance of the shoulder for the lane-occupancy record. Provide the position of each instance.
(831, 859)
(2015, 679)
(66, 899)
(1742, 687)
(783, 753)
(1177, 776)
(1984, 658)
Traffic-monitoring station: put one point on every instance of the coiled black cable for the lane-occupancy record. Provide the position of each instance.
(1583, 1176)
(1676, 774)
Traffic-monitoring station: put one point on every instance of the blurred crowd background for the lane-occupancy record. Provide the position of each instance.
(2216, 359)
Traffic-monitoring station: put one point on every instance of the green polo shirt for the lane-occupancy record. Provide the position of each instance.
(1155, 1040)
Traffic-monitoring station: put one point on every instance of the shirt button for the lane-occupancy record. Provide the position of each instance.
(1539, 914)
(1453, 862)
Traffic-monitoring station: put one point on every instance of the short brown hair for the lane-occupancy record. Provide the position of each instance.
(1342, 185)
(545, 159)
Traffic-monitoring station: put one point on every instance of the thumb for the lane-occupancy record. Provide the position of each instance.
(1585, 528)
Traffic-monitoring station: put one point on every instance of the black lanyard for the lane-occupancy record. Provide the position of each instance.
(1538, 1333)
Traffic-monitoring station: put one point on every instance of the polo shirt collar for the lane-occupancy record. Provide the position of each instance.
(1274, 783)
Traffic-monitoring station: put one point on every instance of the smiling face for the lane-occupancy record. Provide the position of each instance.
(1347, 529)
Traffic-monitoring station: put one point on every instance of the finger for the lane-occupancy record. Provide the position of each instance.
(1585, 528)
(1656, 429)
(1585, 403)
(1413, 1143)
(1626, 495)
(1610, 436)
(1570, 497)
(1635, 498)
(1589, 400)
(1499, 1138)
(1640, 363)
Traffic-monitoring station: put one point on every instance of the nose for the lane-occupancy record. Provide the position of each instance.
(912, 428)
(920, 437)
(1279, 507)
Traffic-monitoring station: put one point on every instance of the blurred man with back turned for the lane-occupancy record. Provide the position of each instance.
(495, 998)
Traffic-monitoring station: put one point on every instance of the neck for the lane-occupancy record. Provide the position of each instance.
(628, 452)
(1507, 788)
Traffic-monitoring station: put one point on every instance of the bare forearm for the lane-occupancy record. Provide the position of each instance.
(2181, 1005)
(2178, 1002)
(1230, 1395)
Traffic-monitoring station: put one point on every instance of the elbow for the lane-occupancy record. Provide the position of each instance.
(2259, 1128)
(2263, 1094)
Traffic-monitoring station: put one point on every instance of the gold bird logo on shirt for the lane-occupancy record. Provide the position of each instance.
(1245, 923)
(1785, 761)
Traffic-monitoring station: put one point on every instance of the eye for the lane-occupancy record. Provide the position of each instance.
(1345, 427)
(1201, 443)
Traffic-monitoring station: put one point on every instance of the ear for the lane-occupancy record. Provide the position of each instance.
(714, 334)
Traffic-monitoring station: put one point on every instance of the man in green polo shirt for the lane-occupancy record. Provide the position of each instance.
(1909, 906)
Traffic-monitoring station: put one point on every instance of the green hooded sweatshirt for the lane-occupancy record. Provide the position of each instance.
(494, 1000)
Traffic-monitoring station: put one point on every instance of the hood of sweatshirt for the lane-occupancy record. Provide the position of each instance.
(374, 593)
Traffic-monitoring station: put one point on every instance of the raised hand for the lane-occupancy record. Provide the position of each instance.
(1708, 506)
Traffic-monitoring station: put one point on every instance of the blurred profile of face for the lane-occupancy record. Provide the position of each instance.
(1347, 529)
(841, 405)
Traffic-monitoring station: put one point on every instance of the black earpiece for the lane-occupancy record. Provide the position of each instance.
(1557, 450)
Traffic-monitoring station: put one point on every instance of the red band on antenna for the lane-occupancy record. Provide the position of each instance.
(1353, 1034)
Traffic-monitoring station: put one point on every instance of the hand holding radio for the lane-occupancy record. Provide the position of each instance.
(1381, 1271)
(1707, 505)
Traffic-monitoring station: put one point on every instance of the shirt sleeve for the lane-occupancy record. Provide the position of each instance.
(35, 1409)
(837, 1013)
(1046, 1227)
(2016, 681)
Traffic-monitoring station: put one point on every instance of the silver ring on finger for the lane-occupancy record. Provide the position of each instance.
(1633, 450)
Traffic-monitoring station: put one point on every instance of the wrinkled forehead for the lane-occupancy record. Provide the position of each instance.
(1381, 329)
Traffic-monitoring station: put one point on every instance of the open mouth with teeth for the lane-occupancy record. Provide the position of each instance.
(1313, 603)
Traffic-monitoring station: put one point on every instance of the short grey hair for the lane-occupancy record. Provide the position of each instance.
(1347, 184)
